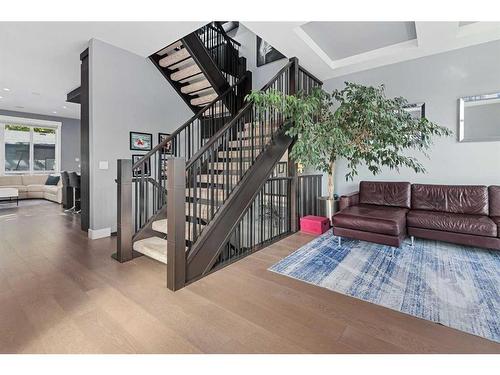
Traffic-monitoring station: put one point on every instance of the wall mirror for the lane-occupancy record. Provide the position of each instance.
(479, 118)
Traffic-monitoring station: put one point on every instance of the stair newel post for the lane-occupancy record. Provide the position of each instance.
(292, 167)
(176, 222)
(125, 225)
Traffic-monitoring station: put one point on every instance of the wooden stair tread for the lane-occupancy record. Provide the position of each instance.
(185, 73)
(204, 99)
(161, 227)
(182, 64)
(196, 86)
(170, 48)
(174, 58)
(153, 247)
(204, 92)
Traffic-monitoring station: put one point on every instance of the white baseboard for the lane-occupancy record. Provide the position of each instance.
(95, 234)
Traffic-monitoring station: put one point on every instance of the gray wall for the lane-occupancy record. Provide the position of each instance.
(127, 93)
(70, 137)
(438, 81)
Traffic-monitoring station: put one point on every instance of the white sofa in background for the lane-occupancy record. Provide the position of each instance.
(33, 186)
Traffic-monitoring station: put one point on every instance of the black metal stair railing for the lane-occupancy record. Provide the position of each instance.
(223, 49)
(217, 168)
(268, 219)
(150, 172)
(265, 221)
(306, 82)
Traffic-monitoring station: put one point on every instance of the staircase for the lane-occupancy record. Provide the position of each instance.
(202, 65)
(205, 190)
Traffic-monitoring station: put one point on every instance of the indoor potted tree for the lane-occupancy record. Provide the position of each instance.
(357, 123)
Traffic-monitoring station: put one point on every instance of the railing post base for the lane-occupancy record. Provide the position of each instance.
(125, 226)
(176, 223)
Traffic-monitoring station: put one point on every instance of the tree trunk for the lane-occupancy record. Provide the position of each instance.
(331, 183)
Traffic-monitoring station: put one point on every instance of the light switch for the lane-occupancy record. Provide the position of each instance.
(103, 164)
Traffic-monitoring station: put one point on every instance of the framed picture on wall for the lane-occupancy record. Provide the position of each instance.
(164, 167)
(147, 166)
(168, 148)
(141, 141)
(266, 53)
(416, 110)
(281, 169)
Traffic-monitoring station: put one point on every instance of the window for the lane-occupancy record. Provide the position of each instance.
(17, 148)
(44, 149)
(29, 146)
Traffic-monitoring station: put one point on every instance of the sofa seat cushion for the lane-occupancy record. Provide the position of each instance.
(479, 225)
(36, 188)
(372, 218)
(52, 189)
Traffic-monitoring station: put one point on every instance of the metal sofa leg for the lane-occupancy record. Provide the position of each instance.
(340, 240)
(412, 241)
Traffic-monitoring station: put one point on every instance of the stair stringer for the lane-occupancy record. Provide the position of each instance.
(207, 248)
(205, 62)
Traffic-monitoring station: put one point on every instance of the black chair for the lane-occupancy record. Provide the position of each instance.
(67, 192)
(74, 183)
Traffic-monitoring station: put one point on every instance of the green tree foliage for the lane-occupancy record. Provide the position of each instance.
(365, 127)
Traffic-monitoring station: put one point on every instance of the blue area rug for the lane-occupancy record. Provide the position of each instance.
(453, 285)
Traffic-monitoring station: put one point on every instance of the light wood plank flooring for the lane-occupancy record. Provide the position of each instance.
(62, 293)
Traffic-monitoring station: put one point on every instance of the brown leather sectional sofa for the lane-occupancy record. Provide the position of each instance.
(387, 212)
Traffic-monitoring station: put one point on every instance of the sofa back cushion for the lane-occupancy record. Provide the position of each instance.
(11, 180)
(460, 199)
(396, 194)
(36, 179)
(52, 180)
(494, 195)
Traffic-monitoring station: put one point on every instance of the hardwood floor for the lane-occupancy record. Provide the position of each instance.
(62, 293)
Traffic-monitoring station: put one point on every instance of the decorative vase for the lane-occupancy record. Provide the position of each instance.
(327, 206)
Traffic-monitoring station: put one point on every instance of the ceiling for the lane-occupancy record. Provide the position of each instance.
(333, 49)
(344, 39)
(40, 61)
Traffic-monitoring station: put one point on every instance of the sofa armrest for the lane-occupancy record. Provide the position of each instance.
(348, 200)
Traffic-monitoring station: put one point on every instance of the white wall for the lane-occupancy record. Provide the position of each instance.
(127, 93)
(438, 81)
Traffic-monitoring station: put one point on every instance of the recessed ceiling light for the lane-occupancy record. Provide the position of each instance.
(54, 111)
(1, 97)
(64, 107)
(6, 89)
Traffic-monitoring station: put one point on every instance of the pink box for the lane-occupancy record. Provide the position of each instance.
(314, 224)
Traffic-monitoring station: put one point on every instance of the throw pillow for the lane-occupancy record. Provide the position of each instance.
(52, 180)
